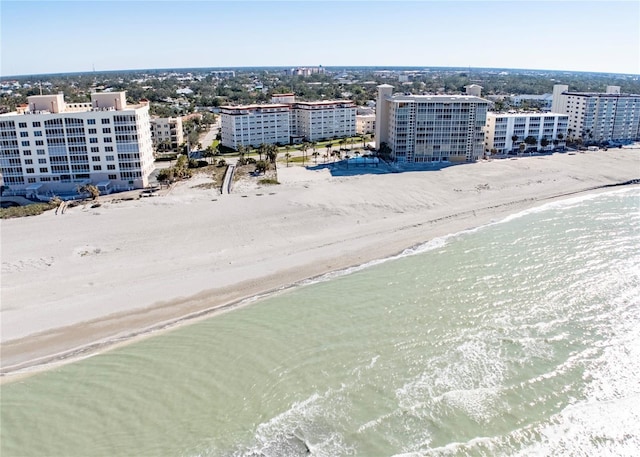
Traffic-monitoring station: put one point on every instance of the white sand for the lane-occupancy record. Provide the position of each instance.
(90, 276)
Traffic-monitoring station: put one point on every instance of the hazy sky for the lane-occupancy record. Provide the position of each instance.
(70, 36)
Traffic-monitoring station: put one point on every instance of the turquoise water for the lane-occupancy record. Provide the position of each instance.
(519, 338)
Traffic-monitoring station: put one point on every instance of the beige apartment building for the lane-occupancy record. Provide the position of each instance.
(50, 146)
(166, 133)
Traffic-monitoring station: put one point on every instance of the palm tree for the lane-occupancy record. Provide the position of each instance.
(262, 149)
(522, 147)
(329, 148)
(271, 153)
(365, 137)
(241, 152)
(304, 148)
(287, 156)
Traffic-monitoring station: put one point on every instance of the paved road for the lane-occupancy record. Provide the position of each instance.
(211, 134)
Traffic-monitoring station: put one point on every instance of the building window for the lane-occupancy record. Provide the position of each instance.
(36, 124)
(42, 160)
(25, 143)
(28, 161)
(111, 167)
(22, 125)
(109, 158)
(30, 170)
(91, 121)
(31, 180)
(92, 131)
(106, 121)
(95, 158)
(40, 152)
(97, 167)
(39, 143)
(95, 149)
(107, 140)
(113, 176)
(26, 152)
(106, 130)
(93, 140)
(108, 148)
(24, 134)
(37, 133)
(44, 170)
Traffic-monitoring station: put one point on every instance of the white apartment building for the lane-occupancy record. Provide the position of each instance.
(430, 128)
(505, 132)
(596, 117)
(252, 125)
(49, 146)
(168, 131)
(284, 118)
(315, 121)
(365, 124)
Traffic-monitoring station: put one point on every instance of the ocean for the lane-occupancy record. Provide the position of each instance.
(520, 338)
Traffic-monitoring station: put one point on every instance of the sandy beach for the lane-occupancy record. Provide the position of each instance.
(76, 283)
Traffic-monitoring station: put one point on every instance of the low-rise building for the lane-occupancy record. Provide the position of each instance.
(365, 124)
(505, 132)
(166, 133)
(49, 146)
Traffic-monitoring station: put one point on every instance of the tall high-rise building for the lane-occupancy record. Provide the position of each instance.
(597, 116)
(49, 146)
(430, 128)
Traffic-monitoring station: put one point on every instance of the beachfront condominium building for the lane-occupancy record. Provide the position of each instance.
(49, 146)
(597, 117)
(365, 124)
(285, 119)
(166, 133)
(252, 125)
(315, 121)
(505, 132)
(430, 128)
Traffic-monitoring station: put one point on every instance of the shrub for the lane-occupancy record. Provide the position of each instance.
(28, 210)
(268, 181)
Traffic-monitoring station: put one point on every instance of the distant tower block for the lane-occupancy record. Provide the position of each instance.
(474, 90)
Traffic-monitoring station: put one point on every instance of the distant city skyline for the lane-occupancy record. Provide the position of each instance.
(77, 36)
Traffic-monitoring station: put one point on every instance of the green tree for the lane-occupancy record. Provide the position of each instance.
(261, 166)
(544, 142)
(287, 156)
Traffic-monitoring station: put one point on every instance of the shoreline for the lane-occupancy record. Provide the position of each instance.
(298, 265)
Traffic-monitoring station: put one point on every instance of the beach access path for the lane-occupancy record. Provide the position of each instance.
(76, 283)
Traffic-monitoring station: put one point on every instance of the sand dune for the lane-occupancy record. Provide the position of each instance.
(77, 282)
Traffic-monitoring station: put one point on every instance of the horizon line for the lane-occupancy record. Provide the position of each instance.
(247, 67)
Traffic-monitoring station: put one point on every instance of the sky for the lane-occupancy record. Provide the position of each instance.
(39, 37)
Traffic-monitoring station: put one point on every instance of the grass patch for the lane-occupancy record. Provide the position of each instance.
(268, 181)
(28, 210)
